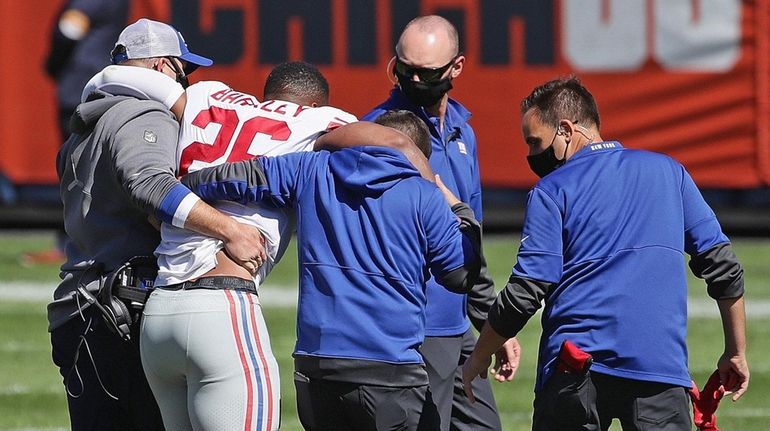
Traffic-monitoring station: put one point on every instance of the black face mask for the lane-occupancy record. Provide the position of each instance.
(183, 81)
(546, 162)
(181, 77)
(424, 93)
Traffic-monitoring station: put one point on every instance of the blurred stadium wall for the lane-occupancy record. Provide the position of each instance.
(690, 78)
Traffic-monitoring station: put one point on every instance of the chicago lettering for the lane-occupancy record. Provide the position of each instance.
(596, 35)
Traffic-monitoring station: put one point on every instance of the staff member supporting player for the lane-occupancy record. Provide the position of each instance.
(368, 230)
(115, 171)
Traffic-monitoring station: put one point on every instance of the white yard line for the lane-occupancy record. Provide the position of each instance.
(742, 412)
(272, 295)
(24, 291)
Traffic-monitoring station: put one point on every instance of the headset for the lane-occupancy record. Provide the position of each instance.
(123, 292)
(115, 312)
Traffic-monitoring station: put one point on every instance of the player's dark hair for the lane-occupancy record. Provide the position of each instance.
(564, 98)
(409, 124)
(296, 79)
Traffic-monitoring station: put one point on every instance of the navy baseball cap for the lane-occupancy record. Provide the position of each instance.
(147, 38)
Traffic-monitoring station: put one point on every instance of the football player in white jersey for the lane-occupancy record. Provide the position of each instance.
(220, 124)
(204, 343)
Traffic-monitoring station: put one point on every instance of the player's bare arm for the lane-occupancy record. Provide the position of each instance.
(368, 133)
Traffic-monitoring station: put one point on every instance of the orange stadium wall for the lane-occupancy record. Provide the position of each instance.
(685, 77)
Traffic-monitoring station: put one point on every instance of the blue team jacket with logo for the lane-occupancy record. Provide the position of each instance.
(369, 229)
(454, 158)
(611, 228)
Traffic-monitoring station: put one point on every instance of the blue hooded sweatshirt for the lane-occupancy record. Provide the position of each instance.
(369, 228)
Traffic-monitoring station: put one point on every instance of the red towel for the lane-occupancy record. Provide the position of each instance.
(572, 360)
(705, 403)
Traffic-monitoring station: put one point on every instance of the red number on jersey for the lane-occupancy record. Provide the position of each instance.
(277, 130)
(228, 120)
(208, 152)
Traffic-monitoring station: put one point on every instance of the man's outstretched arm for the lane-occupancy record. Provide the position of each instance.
(145, 171)
(242, 181)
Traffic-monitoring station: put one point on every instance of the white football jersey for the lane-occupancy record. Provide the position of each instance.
(223, 125)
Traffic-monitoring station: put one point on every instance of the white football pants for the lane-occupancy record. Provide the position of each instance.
(207, 357)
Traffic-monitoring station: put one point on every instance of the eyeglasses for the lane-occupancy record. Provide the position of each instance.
(426, 74)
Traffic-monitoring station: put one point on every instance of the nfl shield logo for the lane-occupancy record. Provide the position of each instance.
(150, 136)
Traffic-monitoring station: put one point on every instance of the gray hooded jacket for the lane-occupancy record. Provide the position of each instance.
(114, 170)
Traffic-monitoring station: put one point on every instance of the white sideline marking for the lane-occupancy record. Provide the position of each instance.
(272, 295)
(740, 412)
(707, 307)
(17, 389)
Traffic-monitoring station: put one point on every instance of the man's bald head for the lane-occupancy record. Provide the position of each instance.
(428, 41)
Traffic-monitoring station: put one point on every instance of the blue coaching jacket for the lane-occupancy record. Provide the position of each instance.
(368, 229)
(454, 158)
(610, 229)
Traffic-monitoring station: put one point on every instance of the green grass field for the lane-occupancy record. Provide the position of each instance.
(32, 396)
